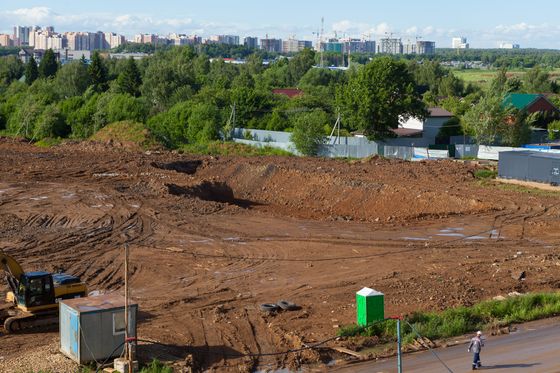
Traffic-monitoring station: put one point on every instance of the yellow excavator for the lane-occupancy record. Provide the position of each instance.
(33, 299)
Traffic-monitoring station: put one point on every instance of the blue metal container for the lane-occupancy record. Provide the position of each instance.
(92, 328)
(542, 167)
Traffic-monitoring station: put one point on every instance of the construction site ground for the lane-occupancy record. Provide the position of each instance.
(212, 238)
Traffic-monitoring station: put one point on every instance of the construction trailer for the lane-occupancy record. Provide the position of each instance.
(93, 328)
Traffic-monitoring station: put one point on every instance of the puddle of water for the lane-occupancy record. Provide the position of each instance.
(495, 234)
(135, 206)
(476, 238)
(230, 273)
(414, 239)
(451, 234)
(232, 239)
(202, 241)
(38, 198)
(69, 195)
(106, 174)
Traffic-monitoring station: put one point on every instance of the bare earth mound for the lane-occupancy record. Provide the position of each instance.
(213, 238)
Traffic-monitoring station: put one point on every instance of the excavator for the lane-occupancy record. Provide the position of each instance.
(33, 299)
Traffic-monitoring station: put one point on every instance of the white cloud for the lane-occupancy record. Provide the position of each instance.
(531, 35)
(123, 23)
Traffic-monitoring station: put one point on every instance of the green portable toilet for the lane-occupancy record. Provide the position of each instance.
(369, 306)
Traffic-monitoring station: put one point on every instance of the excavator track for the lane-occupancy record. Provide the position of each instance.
(28, 322)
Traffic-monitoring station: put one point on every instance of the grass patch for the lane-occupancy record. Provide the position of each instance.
(528, 190)
(489, 183)
(485, 174)
(48, 142)
(483, 78)
(127, 132)
(231, 148)
(156, 367)
(461, 320)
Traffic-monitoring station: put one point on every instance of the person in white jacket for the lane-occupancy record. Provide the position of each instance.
(476, 346)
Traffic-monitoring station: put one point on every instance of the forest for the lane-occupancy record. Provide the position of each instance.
(186, 96)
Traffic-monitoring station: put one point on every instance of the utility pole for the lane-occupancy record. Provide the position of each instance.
(399, 352)
(128, 350)
(336, 127)
(229, 128)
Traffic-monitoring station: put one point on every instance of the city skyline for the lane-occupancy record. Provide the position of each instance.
(432, 20)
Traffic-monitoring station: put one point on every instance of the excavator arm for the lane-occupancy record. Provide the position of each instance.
(13, 270)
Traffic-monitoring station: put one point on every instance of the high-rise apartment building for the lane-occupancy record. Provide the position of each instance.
(509, 46)
(357, 45)
(459, 43)
(80, 41)
(333, 45)
(182, 39)
(150, 39)
(21, 35)
(114, 40)
(409, 48)
(46, 39)
(5, 40)
(391, 46)
(223, 39)
(290, 46)
(271, 45)
(251, 42)
(426, 47)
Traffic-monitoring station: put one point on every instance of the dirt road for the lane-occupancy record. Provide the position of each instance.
(213, 238)
(534, 348)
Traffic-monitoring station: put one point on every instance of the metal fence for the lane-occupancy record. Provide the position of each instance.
(287, 146)
(348, 151)
(261, 135)
(342, 147)
(400, 152)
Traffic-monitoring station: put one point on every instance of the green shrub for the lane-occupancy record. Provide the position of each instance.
(308, 132)
(485, 174)
(47, 142)
(156, 367)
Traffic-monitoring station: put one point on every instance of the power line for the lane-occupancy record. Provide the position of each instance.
(285, 352)
(428, 346)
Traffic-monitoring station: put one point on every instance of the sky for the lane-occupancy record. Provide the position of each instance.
(485, 23)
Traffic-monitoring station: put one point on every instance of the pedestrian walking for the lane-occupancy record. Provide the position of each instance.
(476, 346)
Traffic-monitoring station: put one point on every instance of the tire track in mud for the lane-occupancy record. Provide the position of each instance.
(72, 238)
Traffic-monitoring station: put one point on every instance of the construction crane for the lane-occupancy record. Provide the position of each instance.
(321, 41)
(33, 299)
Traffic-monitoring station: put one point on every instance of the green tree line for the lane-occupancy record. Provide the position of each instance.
(186, 97)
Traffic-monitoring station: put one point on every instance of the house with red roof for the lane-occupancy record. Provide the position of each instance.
(290, 92)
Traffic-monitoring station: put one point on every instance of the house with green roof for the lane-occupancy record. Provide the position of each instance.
(530, 103)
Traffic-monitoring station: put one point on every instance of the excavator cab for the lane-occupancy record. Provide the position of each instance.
(33, 299)
(35, 289)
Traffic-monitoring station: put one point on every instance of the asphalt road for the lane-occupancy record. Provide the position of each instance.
(535, 347)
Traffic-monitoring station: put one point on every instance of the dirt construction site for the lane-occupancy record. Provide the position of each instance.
(213, 238)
